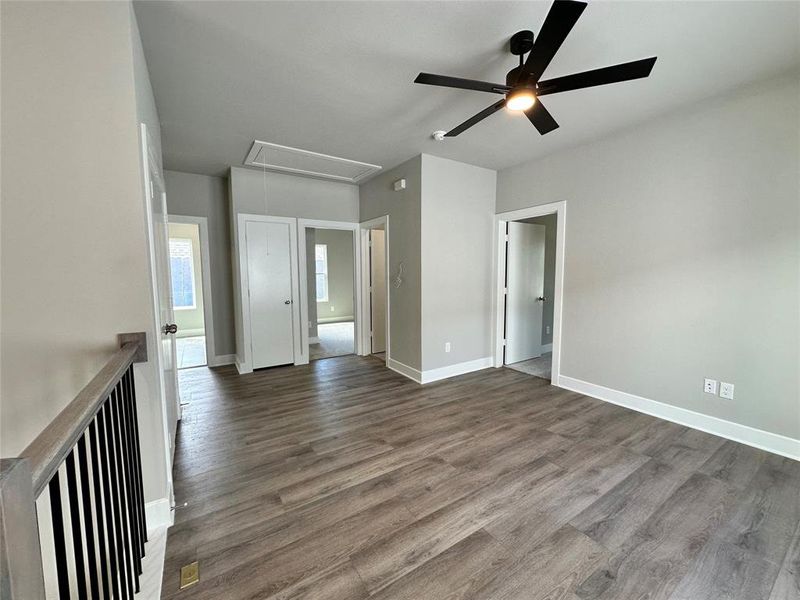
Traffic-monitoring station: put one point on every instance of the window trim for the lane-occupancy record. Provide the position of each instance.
(191, 273)
(324, 273)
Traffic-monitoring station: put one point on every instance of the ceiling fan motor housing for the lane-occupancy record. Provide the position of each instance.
(521, 42)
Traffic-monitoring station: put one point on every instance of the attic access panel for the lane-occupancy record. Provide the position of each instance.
(304, 162)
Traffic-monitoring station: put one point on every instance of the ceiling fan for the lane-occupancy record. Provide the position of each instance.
(523, 87)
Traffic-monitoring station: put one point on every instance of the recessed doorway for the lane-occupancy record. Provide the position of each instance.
(191, 293)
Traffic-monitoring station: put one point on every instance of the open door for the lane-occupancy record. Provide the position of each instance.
(158, 227)
(524, 291)
(377, 290)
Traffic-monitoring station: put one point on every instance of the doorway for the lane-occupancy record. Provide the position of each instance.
(530, 276)
(377, 292)
(191, 290)
(330, 292)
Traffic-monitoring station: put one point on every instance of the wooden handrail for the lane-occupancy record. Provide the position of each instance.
(51, 446)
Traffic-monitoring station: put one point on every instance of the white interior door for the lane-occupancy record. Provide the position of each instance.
(163, 291)
(377, 283)
(525, 291)
(269, 274)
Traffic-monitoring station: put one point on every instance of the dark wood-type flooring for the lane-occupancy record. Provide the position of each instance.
(343, 480)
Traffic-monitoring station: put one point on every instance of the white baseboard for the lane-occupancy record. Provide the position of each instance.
(158, 514)
(313, 340)
(221, 360)
(190, 333)
(241, 367)
(409, 372)
(758, 438)
(345, 319)
(432, 375)
(458, 369)
(547, 348)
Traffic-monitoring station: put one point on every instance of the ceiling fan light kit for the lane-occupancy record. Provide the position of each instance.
(524, 87)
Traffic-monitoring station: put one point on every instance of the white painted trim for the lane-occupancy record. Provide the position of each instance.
(205, 277)
(151, 171)
(431, 375)
(469, 366)
(302, 224)
(403, 369)
(346, 319)
(220, 360)
(498, 312)
(365, 339)
(547, 348)
(241, 367)
(191, 333)
(258, 145)
(313, 340)
(158, 513)
(771, 442)
(245, 364)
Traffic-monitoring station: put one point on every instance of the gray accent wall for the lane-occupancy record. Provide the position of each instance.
(339, 306)
(378, 198)
(203, 196)
(75, 263)
(683, 255)
(457, 237)
(311, 283)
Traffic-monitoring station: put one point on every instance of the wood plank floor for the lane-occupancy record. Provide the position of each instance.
(342, 480)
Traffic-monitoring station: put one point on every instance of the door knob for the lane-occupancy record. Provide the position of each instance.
(541, 299)
(287, 302)
(170, 328)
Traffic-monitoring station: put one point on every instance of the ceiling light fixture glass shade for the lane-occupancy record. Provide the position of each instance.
(520, 99)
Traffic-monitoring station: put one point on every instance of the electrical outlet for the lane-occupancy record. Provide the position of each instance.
(547, 329)
(447, 346)
(726, 390)
(710, 386)
(333, 308)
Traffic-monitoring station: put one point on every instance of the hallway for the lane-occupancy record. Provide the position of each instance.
(342, 479)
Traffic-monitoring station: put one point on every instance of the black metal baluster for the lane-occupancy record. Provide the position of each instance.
(88, 521)
(75, 520)
(58, 537)
(107, 450)
(98, 499)
(135, 427)
(132, 514)
(120, 493)
(127, 381)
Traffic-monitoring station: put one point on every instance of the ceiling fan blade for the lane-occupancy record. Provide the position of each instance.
(622, 72)
(462, 84)
(541, 118)
(476, 119)
(557, 24)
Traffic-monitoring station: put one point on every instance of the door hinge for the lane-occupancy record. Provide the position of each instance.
(505, 291)
(504, 342)
(505, 237)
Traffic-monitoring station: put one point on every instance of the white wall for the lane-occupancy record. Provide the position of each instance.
(279, 195)
(194, 195)
(683, 255)
(457, 247)
(378, 198)
(75, 269)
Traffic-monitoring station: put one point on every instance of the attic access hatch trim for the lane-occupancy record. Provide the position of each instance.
(360, 170)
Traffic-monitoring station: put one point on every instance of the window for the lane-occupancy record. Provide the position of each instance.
(321, 260)
(181, 265)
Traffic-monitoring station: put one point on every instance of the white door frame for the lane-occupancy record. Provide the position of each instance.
(302, 224)
(205, 276)
(560, 210)
(151, 170)
(247, 354)
(366, 342)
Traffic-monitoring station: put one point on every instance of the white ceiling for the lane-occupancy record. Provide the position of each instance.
(336, 77)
